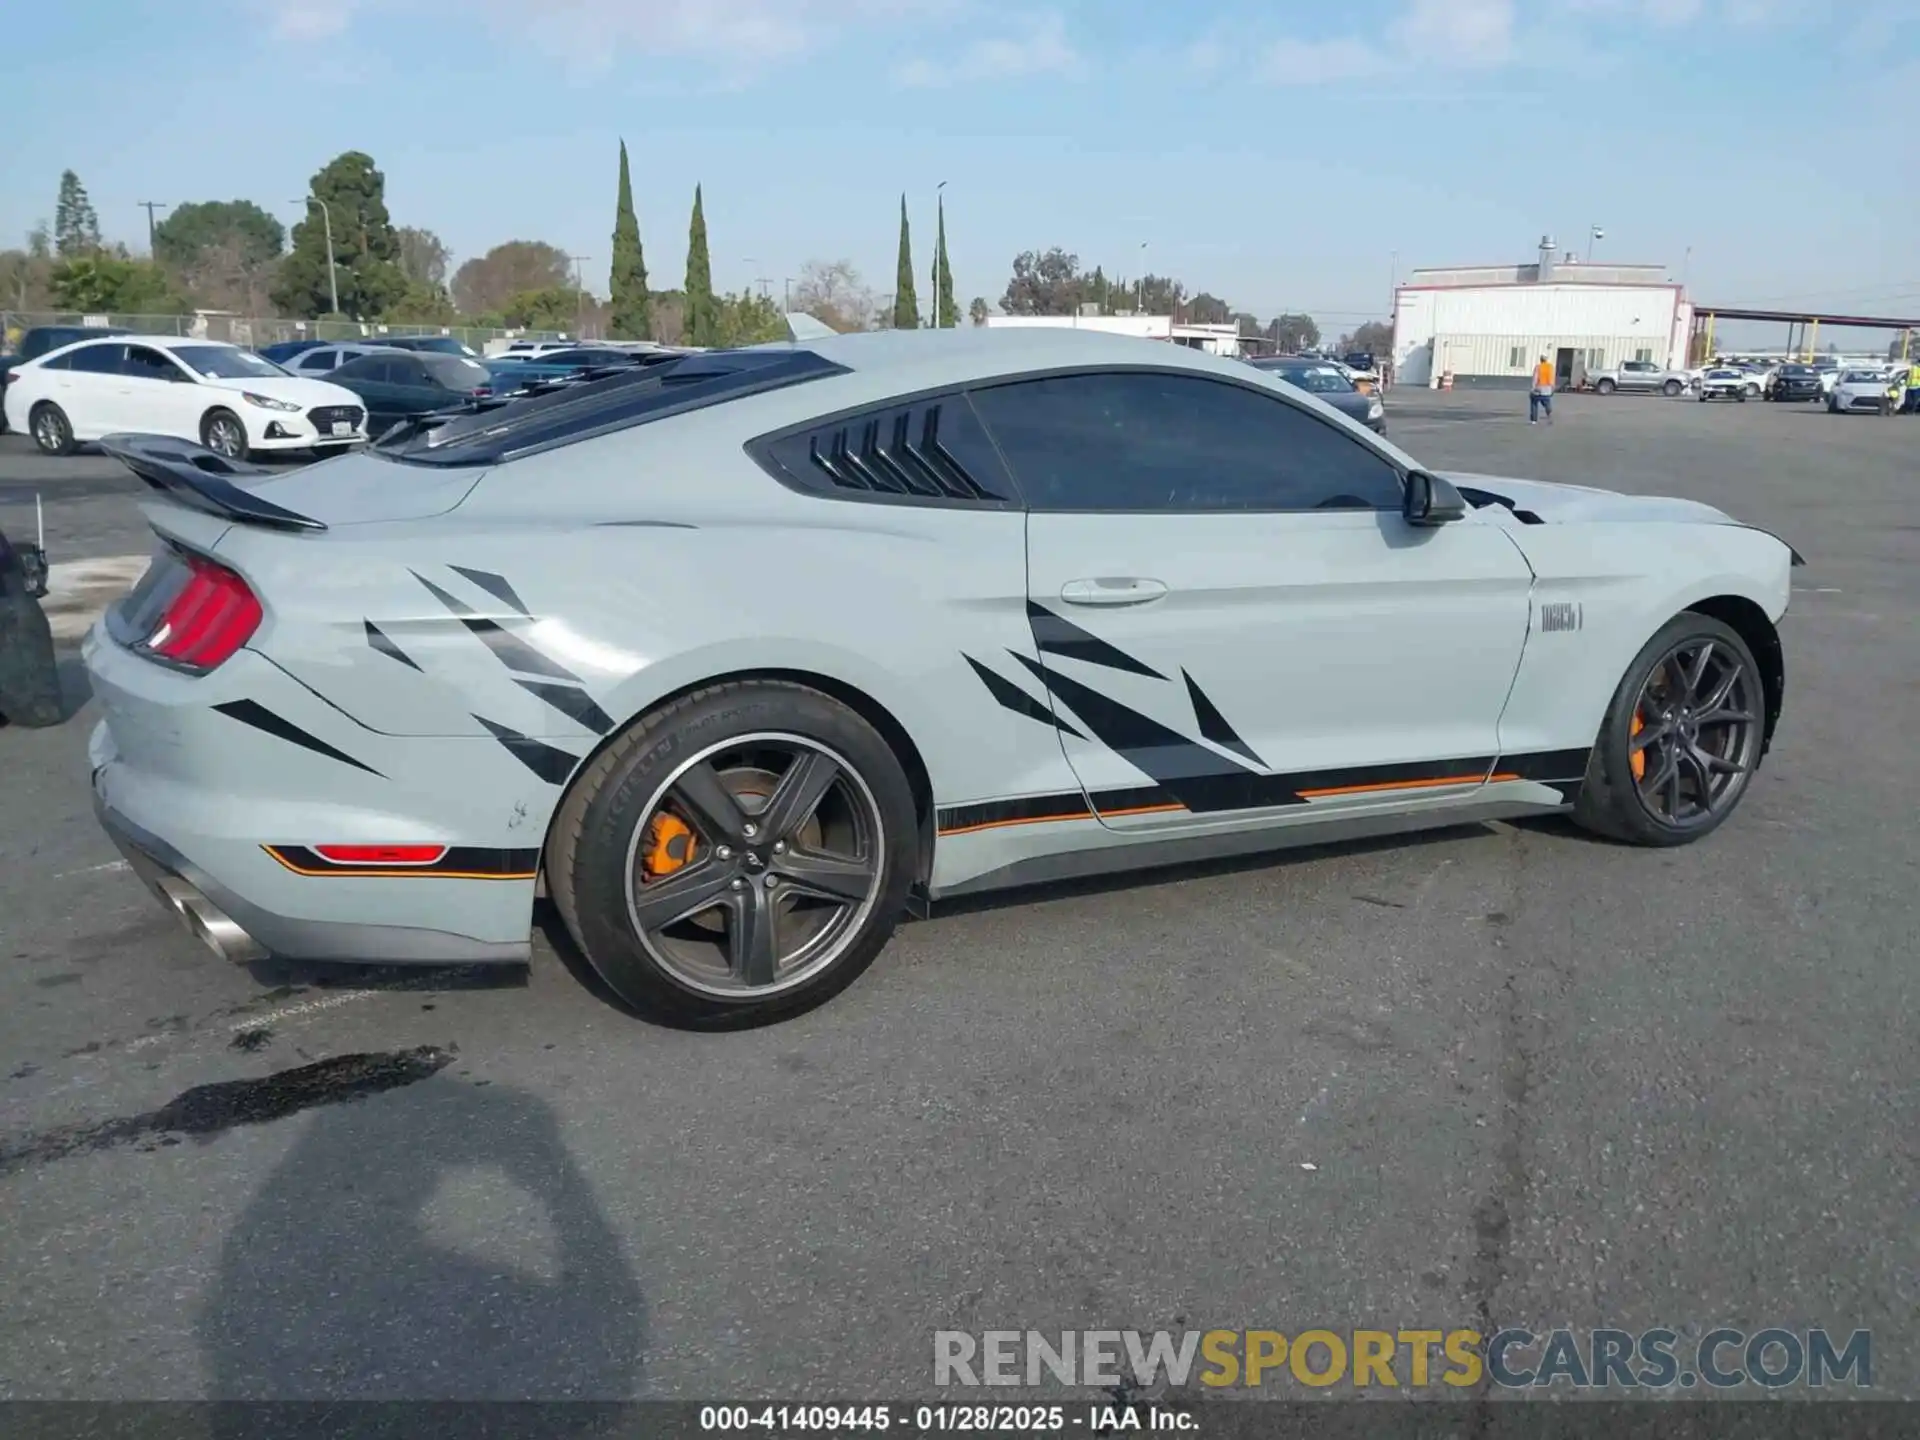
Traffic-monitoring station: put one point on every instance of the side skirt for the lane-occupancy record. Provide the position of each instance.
(1188, 849)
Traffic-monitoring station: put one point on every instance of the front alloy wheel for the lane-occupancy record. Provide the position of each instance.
(227, 436)
(1682, 738)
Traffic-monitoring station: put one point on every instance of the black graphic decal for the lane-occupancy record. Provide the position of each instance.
(251, 712)
(510, 649)
(1027, 810)
(570, 701)
(379, 640)
(1213, 725)
(550, 764)
(494, 585)
(1017, 700)
(1200, 779)
(1547, 765)
(1057, 635)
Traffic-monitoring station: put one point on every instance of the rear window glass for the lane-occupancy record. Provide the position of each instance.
(493, 431)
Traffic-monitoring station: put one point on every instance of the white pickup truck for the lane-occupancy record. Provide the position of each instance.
(1638, 375)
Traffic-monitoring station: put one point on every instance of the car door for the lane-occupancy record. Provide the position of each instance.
(88, 389)
(1230, 611)
(375, 379)
(155, 396)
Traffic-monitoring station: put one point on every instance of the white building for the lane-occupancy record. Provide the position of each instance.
(1492, 323)
(1214, 339)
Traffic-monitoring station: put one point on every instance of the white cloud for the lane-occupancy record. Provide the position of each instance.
(309, 19)
(1322, 62)
(1465, 33)
(1042, 49)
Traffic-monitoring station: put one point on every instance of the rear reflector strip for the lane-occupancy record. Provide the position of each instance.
(381, 854)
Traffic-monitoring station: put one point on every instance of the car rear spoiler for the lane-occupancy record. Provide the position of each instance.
(197, 477)
(804, 327)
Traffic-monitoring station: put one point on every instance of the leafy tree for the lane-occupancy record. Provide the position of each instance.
(632, 317)
(1375, 337)
(1159, 295)
(1044, 284)
(424, 256)
(1249, 325)
(906, 307)
(978, 310)
(702, 314)
(946, 314)
(114, 284)
(557, 307)
(365, 249)
(76, 228)
(223, 251)
(1293, 332)
(484, 284)
(423, 304)
(748, 319)
(1205, 309)
(832, 292)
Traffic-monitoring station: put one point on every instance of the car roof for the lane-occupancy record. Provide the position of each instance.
(915, 359)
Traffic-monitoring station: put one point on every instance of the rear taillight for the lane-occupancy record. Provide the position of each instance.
(212, 616)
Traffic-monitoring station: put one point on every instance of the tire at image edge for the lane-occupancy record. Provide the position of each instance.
(1607, 805)
(587, 852)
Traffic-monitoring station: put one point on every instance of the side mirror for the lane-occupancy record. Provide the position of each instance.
(1431, 500)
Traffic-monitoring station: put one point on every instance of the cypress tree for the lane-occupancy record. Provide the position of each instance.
(702, 317)
(906, 306)
(946, 313)
(632, 309)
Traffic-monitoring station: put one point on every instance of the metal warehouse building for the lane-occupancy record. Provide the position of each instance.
(1490, 324)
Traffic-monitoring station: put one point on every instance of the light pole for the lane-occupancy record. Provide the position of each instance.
(333, 279)
(939, 208)
(1596, 233)
(749, 262)
(786, 295)
(1140, 298)
(579, 297)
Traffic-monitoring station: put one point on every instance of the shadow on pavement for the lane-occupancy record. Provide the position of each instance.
(439, 1245)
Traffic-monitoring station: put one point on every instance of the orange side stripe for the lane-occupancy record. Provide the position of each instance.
(1024, 820)
(1145, 809)
(1406, 785)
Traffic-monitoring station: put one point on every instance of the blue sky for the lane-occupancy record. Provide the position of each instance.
(1279, 154)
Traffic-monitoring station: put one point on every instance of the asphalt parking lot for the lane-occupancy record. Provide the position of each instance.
(1501, 1076)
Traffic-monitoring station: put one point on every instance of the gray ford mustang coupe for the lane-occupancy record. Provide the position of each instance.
(742, 658)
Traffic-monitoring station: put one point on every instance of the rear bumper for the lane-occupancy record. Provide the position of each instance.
(239, 930)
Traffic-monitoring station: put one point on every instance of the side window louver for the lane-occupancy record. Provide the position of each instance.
(909, 453)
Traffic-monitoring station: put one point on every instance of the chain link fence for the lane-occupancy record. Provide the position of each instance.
(255, 331)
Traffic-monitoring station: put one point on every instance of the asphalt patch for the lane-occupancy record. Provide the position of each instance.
(209, 1110)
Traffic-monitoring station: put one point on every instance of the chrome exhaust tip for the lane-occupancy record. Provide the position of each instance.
(209, 924)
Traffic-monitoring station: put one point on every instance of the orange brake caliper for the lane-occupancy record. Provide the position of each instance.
(1637, 762)
(669, 845)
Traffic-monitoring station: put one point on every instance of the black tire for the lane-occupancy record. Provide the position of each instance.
(621, 790)
(1610, 801)
(1604, 387)
(1672, 387)
(216, 425)
(52, 431)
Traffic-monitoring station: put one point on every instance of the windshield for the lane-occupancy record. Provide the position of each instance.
(1860, 377)
(1319, 379)
(226, 362)
(455, 371)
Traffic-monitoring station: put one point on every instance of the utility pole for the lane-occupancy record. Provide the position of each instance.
(333, 278)
(1140, 300)
(150, 206)
(786, 293)
(579, 297)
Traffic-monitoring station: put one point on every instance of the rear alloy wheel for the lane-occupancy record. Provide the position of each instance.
(1604, 387)
(1681, 740)
(741, 855)
(222, 433)
(52, 432)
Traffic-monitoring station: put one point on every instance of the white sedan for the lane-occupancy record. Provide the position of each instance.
(230, 400)
(1864, 390)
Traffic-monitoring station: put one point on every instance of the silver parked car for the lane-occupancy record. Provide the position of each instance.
(742, 657)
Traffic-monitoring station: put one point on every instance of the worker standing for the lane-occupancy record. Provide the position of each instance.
(1912, 405)
(1541, 398)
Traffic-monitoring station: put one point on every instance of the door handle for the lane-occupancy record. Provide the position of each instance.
(1113, 590)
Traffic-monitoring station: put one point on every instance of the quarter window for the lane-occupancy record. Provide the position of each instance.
(1143, 440)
